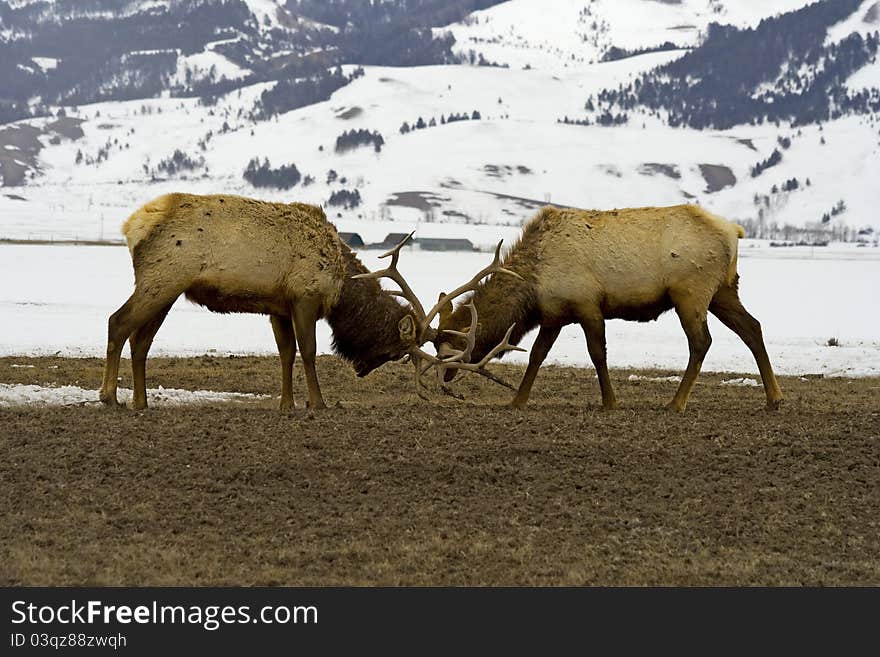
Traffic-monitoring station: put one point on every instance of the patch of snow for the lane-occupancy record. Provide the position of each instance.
(34, 395)
(153, 4)
(265, 11)
(863, 20)
(222, 42)
(271, 14)
(654, 379)
(201, 65)
(748, 13)
(742, 383)
(46, 63)
(867, 77)
(159, 51)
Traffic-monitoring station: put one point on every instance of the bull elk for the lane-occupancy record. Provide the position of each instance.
(234, 254)
(578, 266)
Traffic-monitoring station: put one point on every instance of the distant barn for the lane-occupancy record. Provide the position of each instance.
(445, 244)
(391, 240)
(354, 240)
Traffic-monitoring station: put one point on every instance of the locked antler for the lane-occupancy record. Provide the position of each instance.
(493, 268)
(425, 333)
(394, 274)
(460, 364)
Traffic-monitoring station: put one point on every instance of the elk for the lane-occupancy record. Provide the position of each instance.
(234, 254)
(580, 266)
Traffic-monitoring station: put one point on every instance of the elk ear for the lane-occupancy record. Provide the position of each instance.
(445, 311)
(407, 328)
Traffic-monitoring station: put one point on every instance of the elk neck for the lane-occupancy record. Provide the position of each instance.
(364, 320)
(500, 302)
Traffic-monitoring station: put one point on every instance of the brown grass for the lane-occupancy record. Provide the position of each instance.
(385, 489)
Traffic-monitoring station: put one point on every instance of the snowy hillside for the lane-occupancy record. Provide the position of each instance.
(80, 175)
(527, 33)
(497, 170)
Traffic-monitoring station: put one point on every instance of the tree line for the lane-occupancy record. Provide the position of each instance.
(780, 70)
(420, 124)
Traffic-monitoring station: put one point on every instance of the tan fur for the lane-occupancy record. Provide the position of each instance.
(235, 254)
(141, 222)
(625, 259)
(291, 250)
(582, 266)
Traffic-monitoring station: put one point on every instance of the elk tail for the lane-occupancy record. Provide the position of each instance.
(734, 254)
(140, 224)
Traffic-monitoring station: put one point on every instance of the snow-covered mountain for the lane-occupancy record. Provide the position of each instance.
(385, 148)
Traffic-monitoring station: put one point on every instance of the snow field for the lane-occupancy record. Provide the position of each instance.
(56, 299)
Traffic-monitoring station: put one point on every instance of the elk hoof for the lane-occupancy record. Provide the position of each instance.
(674, 407)
(316, 406)
(609, 406)
(287, 405)
(773, 405)
(516, 405)
(111, 403)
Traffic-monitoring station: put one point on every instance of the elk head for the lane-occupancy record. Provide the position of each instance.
(415, 329)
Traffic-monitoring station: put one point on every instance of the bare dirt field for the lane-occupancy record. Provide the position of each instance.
(385, 489)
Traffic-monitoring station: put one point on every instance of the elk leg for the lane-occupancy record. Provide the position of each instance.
(594, 330)
(727, 307)
(282, 327)
(115, 341)
(546, 337)
(140, 341)
(116, 336)
(693, 321)
(134, 313)
(304, 318)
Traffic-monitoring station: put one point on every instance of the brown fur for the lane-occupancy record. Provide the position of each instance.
(581, 266)
(234, 254)
(365, 320)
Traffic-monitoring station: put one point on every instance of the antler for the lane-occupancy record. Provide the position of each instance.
(392, 272)
(470, 336)
(458, 359)
(424, 319)
(502, 346)
(417, 356)
(493, 268)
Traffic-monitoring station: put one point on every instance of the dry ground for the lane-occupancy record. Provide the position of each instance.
(385, 489)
